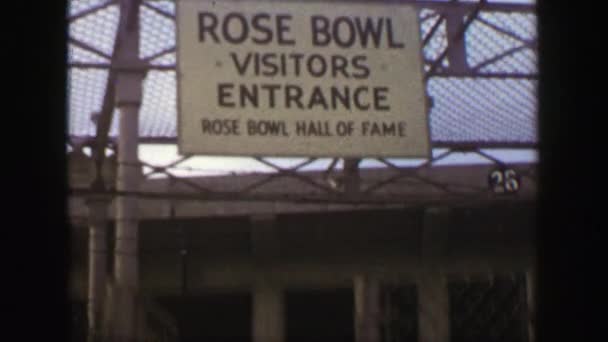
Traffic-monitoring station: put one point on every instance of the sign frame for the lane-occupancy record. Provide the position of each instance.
(426, 154)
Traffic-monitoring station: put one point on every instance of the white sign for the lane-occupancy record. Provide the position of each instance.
(289, 78)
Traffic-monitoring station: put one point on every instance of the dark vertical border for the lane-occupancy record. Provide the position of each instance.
(35, 229)
(570, 267)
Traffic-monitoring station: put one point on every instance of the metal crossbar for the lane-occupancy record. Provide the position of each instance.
(526, 42)
(91, 10)
(293, 174)
(457, 37)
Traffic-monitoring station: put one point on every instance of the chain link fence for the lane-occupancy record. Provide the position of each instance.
(492, 100)
(491, 310)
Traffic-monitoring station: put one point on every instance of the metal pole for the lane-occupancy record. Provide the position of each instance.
(128, 100)
(128, 177)
(98, 207)
(457, 55)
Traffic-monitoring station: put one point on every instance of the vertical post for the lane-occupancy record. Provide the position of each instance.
(268, 312)
(97, 207)
(128, 100)
(457, 55)
(433, 299)
(351, 176)
(367, 309)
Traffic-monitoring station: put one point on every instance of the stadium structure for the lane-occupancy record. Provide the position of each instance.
(303, 249)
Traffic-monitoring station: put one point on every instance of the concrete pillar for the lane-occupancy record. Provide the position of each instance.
(367, 309)
(268, 313)
(433, 299)
(268, 322)
(98, 211)
(433, 308)
(128, 100)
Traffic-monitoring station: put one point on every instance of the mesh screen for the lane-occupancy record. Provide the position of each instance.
(497, 110)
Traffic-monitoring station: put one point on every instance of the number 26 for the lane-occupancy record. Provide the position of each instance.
(504, 181)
